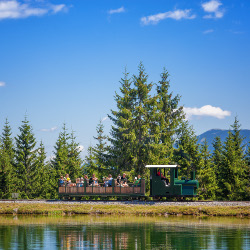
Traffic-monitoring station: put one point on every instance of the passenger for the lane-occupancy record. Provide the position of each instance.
(137, 181)
(163, 178)
(61, 182)
(118, 180)
(124, 180)
(68, 181)
(87, 180)
(93, 181)
(81, 182)
(110, 180)
(78, 182)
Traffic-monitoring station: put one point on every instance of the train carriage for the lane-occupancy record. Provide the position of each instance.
(103, 191)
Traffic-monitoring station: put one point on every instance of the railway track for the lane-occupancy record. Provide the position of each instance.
(133, 202)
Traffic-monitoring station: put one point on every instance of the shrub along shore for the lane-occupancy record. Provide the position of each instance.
(124, 209)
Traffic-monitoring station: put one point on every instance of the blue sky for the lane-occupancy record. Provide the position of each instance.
(61, 61)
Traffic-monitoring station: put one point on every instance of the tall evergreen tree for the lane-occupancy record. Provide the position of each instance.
(74, 158)
(187, 154)
(90, 163)
(141, 123)
(233, 177)
(25, 160)
(60, 161)
(122, 131)
(206, 177)
(166, 116)
(6, 161)
(46, 184)
(101, 149)
(217, 160)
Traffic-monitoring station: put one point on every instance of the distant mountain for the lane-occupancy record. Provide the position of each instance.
(211, 134)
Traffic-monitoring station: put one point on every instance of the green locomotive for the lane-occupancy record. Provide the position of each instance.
(160, 186)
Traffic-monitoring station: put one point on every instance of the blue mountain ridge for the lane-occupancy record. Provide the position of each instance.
(222, 133)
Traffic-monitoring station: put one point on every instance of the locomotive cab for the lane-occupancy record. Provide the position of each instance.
(162, 186)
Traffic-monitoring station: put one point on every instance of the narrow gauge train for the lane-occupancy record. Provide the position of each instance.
(158, 186)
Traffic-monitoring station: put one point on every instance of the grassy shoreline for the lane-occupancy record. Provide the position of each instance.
(135, 210)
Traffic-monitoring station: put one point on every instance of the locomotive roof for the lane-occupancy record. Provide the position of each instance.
(161, 166)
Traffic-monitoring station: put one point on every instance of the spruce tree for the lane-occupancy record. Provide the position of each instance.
(60, 161)
(6, 161)
(25, 160)
(233, 177)
(90, 163)
(74, 158)
(45, 185)
(141, 122)
(100, 150)
(206, 177)
(122, 131)
(166, 116)
(217, 160)
(187, 154)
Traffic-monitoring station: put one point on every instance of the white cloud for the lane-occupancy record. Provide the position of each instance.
(81, 148)
(208, 31)
(213, 7)
(49, 129)
(177, 15)
(58, 8)
(12, 9)
(115, 11)
(206, 110)
(2, 84)
(104, 118)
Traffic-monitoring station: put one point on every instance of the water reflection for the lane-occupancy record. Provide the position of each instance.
(87, 232)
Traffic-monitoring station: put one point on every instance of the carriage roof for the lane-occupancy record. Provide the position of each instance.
(161, 166)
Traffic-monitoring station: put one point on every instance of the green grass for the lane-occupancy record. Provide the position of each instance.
(142, 210)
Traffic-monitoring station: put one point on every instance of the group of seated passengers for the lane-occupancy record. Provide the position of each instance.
(93, 181)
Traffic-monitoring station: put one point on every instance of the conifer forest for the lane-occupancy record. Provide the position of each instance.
(148, 127)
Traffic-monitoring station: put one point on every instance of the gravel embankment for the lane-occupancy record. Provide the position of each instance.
(149, 203)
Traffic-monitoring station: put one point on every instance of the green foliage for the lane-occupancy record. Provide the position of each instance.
(206, 177)
(6, 161)
(74, 158)
(233, 174)
(144, 126)
(187, 154)
(67, 158)
(122, 130)
(165, 119)
(60, 161)
(25, 167)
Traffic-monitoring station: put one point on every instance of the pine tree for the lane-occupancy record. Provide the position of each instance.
(90, 163)
(60, 161)
(217, 160)
(100, 150)
(166, 116)
(206, 177)
(74, 158)
(187, 153)
(45, 185)
(141, 123)
(233, 177)
(6, 161)
(25, 160)
(122, 131)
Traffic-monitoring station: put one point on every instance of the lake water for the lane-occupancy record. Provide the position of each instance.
(109, 232)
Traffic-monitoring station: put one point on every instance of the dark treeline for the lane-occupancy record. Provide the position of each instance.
(148, 127)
